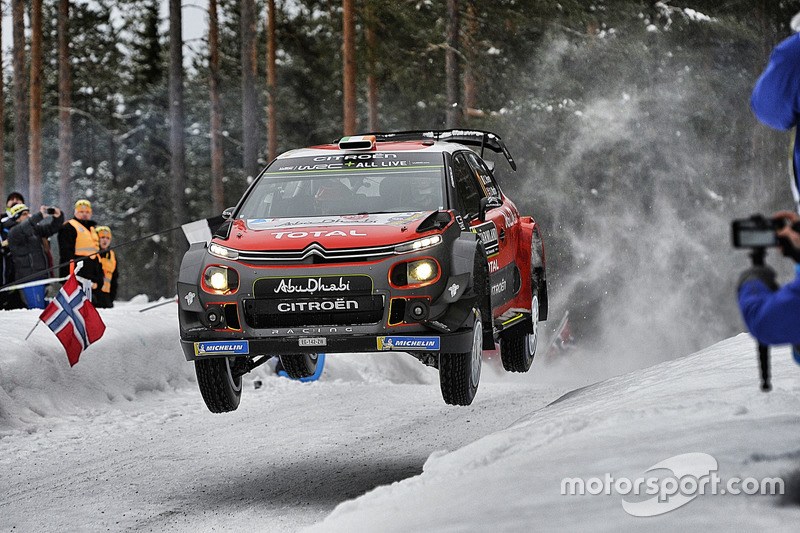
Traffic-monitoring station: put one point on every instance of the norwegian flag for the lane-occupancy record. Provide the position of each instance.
(73, 319)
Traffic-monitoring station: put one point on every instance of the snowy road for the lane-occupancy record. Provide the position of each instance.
(123, 442)
(282, 462)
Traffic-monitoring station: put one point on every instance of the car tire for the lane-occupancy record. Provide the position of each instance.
(220, 389)
(516, 348)
(460, 373)
(300, 365)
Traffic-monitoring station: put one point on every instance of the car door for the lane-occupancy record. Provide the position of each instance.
(497, 234)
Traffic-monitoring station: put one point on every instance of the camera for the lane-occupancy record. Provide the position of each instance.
(50, 211)
(757, 231)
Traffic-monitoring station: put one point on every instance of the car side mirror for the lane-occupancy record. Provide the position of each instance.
(488, 202)
(228, 213)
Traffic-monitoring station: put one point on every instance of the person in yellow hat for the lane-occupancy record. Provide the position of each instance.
(77, 240)
(9, 299)
(107, 293)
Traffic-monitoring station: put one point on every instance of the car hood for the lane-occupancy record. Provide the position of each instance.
(331, 232)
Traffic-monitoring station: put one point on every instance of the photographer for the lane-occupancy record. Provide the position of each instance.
(776, 95)
(772, 314)
(26, 240)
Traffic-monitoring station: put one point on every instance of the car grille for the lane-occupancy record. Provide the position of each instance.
(315, 253)
(263, 313)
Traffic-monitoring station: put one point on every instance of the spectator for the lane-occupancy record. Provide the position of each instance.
(771, 313)
(776, 95)
(26, 240)
(8, 299)
(13, 199)
(77, 239)
(105, 297)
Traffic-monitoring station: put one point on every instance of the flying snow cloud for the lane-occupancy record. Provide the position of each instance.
(636, 206)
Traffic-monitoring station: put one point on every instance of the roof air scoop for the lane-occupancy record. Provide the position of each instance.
(360, 142)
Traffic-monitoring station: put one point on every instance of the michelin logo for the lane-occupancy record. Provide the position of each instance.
(408, 343)
(222, 348)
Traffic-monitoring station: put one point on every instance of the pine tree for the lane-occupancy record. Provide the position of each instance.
(21, 181)
(64, 105)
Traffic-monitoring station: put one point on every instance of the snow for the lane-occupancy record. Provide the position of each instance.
(122, 441)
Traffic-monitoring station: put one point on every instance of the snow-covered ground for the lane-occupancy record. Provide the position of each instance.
(123, 442)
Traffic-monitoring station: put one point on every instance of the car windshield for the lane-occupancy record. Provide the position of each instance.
(348, 184)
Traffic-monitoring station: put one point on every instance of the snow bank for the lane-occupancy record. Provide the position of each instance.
(706, 403)
(138, 353)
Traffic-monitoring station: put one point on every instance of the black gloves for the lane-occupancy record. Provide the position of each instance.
(788, 249)
(763, 273)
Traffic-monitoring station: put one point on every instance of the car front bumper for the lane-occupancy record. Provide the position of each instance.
(265, 315)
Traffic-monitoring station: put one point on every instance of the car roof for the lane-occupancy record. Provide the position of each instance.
(419, 141)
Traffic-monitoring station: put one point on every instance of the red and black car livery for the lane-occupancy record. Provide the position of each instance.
(382, 242)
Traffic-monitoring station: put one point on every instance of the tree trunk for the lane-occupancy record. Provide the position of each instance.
(349, 53)
(217, 191)
(2, 121)
(250, 112)
(372, 80)
(451, 66)
(35, 199)
(64, 110)
(272, 119)
(470, 86)
(21, 183)
(176, 135)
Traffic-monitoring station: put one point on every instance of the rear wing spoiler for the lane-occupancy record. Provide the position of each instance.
(478, 138)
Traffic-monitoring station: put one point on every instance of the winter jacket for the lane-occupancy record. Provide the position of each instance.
(67, 239)
(772, 317)
(27, 249)
(776, 95)
(104, 296)
(6, 263)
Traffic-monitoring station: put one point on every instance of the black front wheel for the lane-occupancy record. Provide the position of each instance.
(300, 365)
(220, 389)
(460, 373)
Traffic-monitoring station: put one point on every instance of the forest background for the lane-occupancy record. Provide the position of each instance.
(629, 120)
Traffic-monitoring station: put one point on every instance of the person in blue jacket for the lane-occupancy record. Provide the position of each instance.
(776, 95)
(772, 314)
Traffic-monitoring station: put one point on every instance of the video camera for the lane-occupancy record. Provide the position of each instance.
(758, 231)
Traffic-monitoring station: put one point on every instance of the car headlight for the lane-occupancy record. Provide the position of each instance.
(419, 244)
(222, 252)
(220, 280)
(419, 272)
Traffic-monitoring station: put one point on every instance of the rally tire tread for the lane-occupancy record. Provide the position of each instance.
(298, 366)
(455, 376)
(454, 370)
(215, 387)
(514, 353)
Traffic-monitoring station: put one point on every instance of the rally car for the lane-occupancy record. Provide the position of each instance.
(387, 242)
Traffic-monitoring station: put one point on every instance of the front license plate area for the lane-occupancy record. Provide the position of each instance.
(313, 341)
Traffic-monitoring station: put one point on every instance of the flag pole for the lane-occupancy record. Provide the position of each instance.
(33, 328)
